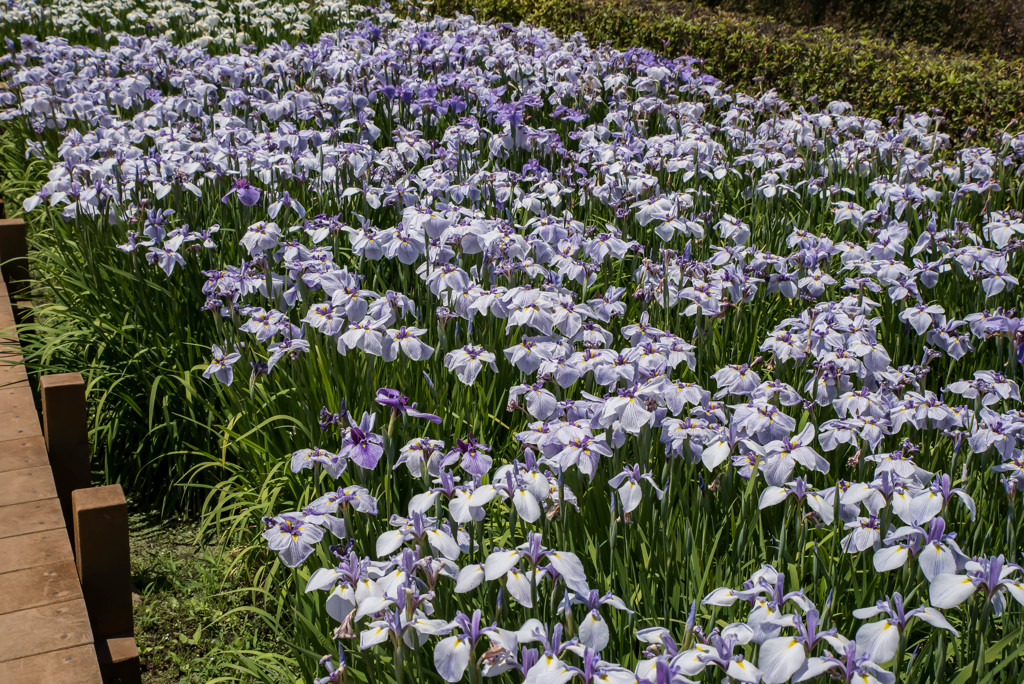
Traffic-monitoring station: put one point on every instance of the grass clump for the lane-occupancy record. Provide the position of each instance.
(194, 609)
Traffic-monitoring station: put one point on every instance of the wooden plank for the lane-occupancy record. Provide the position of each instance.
(37, 587)
(32, 550)
(16, 398)
(11, 374)
(10, 347)
(43, 616)
(10, 351)
(31, 516)
(8, 331)
(16, 454)
(9, 338)
(7, 319)
(27, 484)
(48, 628)
(16, 384)
(19, 424)
(69, 666)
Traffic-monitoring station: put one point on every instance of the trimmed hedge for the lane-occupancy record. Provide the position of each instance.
(979, 95)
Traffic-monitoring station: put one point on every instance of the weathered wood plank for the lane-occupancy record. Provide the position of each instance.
(10, 348)
(11, 374)
(27, 484)
(44, 629)
(31, 516)
(6, 315)
(29, 452)
(16, 398)
(18, 424)
(32, 550)
(37, 587)
(69, 666)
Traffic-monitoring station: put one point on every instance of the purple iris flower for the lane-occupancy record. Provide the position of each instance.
(993, 575)
(327, 418)
(353, 496)
(335, 675)
(292, 537)
(453, 653)
(321, 514)
(880, 640)
(166, 257)
(782, 657)
(399, 404)
(848, 666)
(247, 194)
(221, 365)
(594, 670)
(593, 630)
(274, 209)
(290, 346)
(474, 457)
(362, 446)
(720, 650)
(307, 458)
(628, 484)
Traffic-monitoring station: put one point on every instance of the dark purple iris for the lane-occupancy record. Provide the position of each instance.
(399, 403)
(247, 193)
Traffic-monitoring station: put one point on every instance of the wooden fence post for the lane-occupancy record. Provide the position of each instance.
(102, 556)
(14, 256)
(66, 431)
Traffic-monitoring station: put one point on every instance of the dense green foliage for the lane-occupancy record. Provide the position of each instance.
(979, 96)
(995, 26)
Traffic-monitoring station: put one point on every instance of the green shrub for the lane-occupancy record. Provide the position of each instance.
(995, 26)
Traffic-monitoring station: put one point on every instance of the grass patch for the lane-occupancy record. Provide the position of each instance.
(190, 602)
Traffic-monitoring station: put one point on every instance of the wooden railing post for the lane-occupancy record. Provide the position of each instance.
(14, 256)
(66, 431)
(102, 556)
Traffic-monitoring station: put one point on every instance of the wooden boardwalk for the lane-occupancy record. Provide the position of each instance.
(50, 632)
(43, 618)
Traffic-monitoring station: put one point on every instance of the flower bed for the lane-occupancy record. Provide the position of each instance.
(545, 360)
(977, 94)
